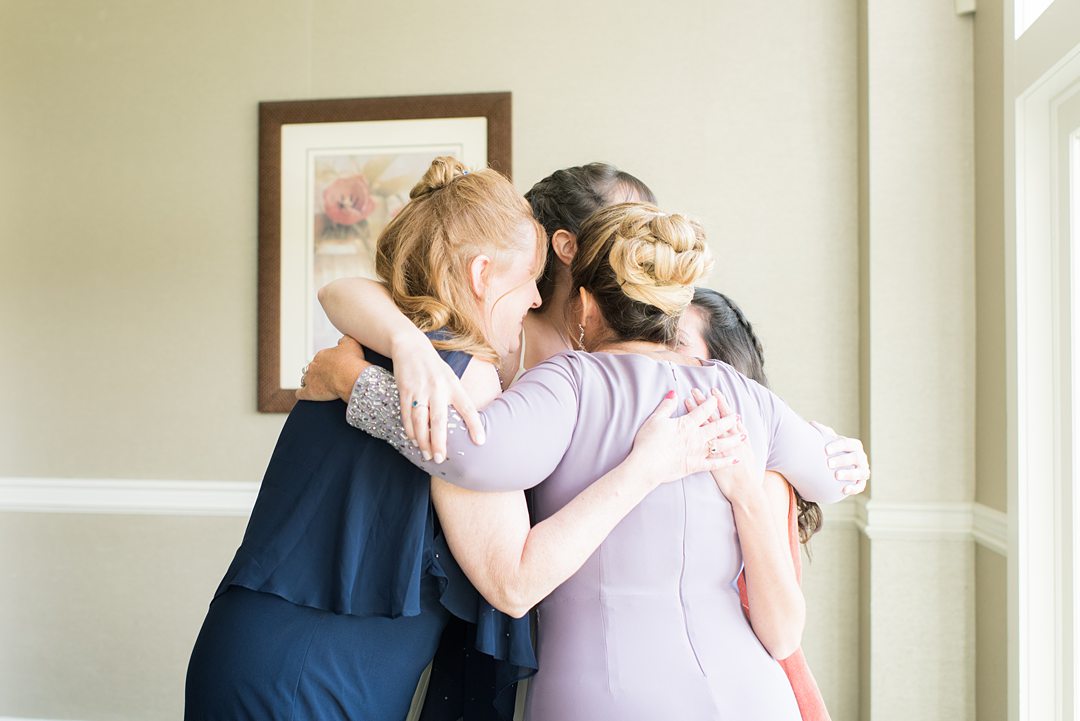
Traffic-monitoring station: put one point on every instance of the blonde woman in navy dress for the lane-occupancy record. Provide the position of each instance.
(651, 625)
(342, 586)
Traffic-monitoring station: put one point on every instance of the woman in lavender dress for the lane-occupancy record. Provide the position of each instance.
(650, 626)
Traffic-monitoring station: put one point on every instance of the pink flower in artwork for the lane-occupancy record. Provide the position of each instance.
(348, 200)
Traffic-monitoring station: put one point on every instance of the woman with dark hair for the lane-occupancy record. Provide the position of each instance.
(651, 625)
(563, 201)
(715, 327)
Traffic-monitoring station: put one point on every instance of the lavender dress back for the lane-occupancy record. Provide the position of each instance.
(651, 626)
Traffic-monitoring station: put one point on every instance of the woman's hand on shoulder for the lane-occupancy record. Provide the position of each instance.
(668, 448)
(332, 373)
(848, 460)
(428, 387)
(738, 478)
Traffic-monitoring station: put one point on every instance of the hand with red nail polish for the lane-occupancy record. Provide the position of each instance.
(668, 448)
(738, 475)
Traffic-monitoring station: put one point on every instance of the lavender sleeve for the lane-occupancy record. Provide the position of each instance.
(528, 428)
(797, 451)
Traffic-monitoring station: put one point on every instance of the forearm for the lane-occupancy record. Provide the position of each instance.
(777, 607)
(373, 408)
(559, 546)
(364, 310)
(516, 569)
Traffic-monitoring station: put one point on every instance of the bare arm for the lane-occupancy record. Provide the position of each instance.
(364, 310)
(759, 502)
(515, 565)
(777, 607)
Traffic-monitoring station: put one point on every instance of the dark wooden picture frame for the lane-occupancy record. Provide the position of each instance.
(273, 396)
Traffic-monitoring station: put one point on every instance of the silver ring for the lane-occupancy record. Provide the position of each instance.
(303, 377)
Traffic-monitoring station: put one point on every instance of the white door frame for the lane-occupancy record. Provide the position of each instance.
(1040, 408)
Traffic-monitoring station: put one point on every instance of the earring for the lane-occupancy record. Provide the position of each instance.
(581, 336)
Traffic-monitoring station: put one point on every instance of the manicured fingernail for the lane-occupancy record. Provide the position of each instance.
(742, 437)
(734, 461)
(669, 396)
(425, 455)
(481, 439)
(439, 458)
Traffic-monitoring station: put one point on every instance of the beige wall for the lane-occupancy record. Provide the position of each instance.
(990, 255)
(127, 281)
(918, 359)
(991, 680)
(920, 352)
(99, 613)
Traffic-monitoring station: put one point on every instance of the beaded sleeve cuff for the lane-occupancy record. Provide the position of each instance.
(375, 408)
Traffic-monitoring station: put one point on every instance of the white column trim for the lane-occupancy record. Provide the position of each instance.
(934, 521)
(913, 521)
(990, 528)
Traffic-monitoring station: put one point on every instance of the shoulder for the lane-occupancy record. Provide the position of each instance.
(748, 388)
(458, 360)
(480, 380)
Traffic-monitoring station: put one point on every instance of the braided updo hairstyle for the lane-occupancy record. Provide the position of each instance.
(730, 337)
(423, 254)
(640, 264)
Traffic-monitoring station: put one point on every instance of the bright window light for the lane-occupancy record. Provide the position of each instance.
(1027, 12)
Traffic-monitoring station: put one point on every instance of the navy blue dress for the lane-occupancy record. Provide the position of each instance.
(343, 590)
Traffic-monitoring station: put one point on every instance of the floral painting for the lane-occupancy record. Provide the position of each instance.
(332, 174)
(355, 196)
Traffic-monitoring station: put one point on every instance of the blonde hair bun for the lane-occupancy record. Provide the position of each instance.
(657, 258)
(444, 170)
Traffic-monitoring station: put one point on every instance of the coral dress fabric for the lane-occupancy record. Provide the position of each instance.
(807, 693)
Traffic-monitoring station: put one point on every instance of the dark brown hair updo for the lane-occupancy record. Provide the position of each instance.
(640, 264)
(729, 337)
(566, 198)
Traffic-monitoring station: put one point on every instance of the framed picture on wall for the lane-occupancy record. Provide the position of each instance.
(332, 173)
